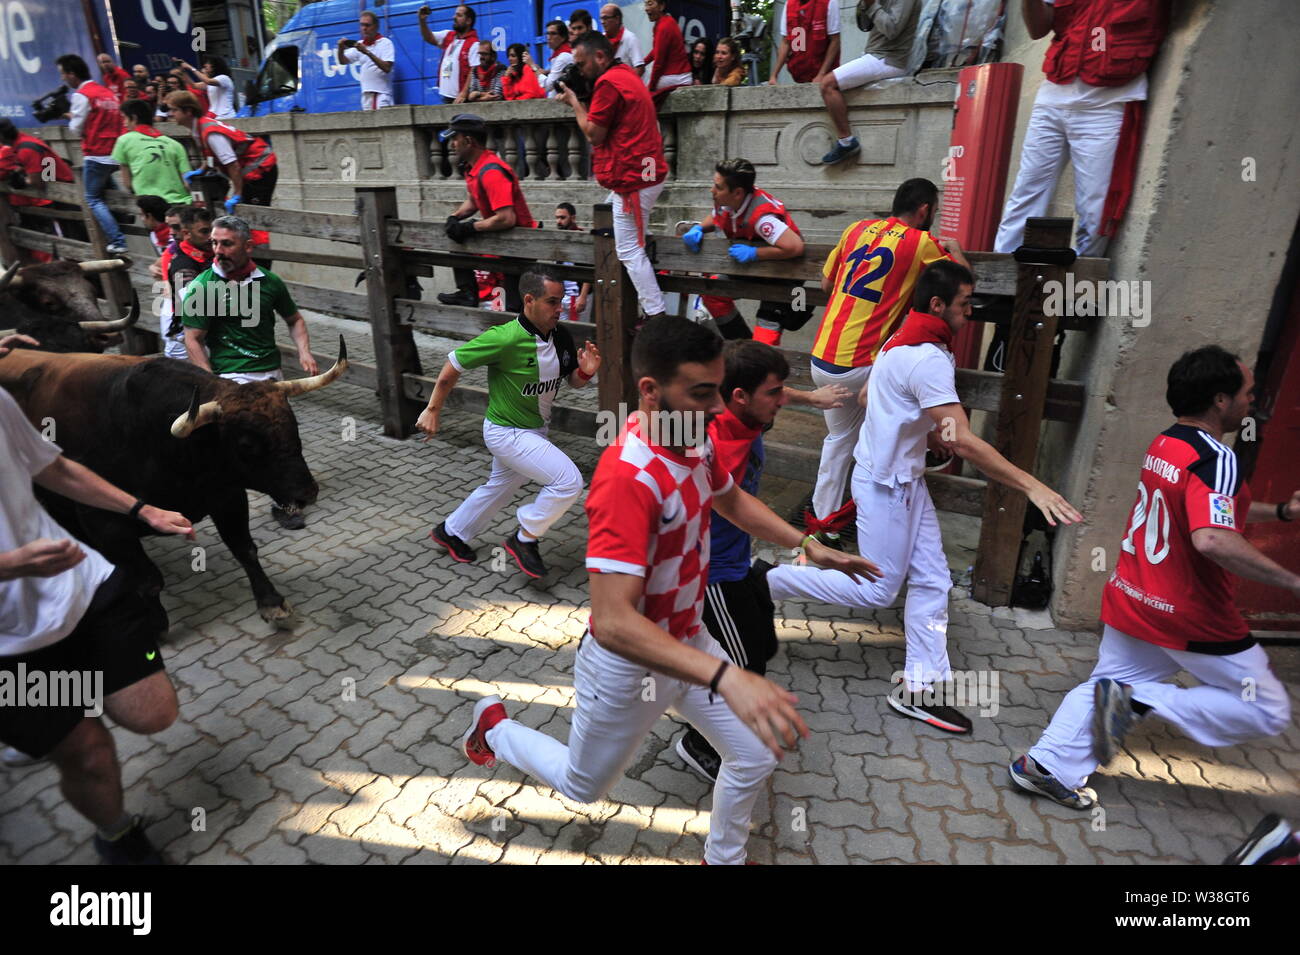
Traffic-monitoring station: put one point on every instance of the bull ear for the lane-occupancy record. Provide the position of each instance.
(196, 416)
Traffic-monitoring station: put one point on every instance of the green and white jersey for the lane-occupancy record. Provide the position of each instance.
(524, 370)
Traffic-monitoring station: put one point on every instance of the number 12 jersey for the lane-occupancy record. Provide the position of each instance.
(1163, 589)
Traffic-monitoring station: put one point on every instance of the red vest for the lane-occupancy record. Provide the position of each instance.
(252, 153)
(478, 190)
(103, 123)
(471, 42)
(810, 18)
(619, 162)
(760, 204)
(1128, 32)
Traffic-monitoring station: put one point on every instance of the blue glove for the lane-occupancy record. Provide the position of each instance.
(231, 203)
(192, 173)
(694, 237)
(743, 253)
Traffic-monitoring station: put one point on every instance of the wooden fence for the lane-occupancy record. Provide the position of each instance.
(390, 248)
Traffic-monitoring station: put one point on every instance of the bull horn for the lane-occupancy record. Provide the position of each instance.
(103, 265)
(196, 416)
(11, 276)
(119, 324)
(300, 386)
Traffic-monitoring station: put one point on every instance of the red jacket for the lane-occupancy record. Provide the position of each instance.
(526, 87)
(116, 81)
(632, 155)
(810, 17)
(760, 204)
(668, 55)
(30, 154)
(1132, 31)
(251, 152)
(103, 123)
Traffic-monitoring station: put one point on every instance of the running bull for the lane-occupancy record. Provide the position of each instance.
(175, 436)
(56, 303)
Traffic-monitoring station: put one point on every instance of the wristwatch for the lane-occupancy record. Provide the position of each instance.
(134, 513)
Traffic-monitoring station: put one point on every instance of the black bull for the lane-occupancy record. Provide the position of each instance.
(176, 437)
(56, 303)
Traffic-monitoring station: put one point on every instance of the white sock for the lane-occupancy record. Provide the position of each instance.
(846, 142)
(524, 536)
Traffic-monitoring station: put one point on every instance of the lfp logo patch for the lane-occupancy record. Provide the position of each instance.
(1222, 512)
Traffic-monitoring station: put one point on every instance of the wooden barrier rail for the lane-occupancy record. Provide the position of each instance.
(390, 249)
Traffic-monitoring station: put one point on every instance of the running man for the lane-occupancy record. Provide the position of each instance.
(527, 360)
(1169, 605)
(911, 400)
(648, 559)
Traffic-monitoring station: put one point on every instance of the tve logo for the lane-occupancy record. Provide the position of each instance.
(16, 32)
(180, 16)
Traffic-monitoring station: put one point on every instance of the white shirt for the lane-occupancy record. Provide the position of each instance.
(1077, 94)
(629, 49)
(221, 98)
(36, 611)
(449, 78)
(768, 227)
(222, 148)
(559, 63)
(80, 110)
(373, 79)
(904, 382)
(832, 19)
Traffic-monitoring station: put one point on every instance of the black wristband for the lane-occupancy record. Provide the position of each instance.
(713, 684)
(1281, 512)
(134, 513)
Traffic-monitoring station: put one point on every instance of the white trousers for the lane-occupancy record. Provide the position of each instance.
(519, 455)
(842, 427)
(1088, 137)
(175, 347)
(244, 377)
(1240, 699)
(865, 69)
(373, 99)
(898, 530)
(611, 718)
(630, 250)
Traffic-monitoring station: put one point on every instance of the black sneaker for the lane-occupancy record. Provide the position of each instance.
(1270, 843)
(459, 550)
(130, 848)
(526, 555)
(289, 516)
(946, 718)
(459, 297)
(696, 753)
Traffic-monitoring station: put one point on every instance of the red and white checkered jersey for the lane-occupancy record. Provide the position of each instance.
(648, 511)
(1163, 590)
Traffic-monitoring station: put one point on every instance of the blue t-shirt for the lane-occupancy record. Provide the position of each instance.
(729, 556)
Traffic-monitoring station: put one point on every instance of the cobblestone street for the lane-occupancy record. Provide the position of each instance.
(336, 741)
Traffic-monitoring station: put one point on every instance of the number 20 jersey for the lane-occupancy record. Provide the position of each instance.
(1163, 590)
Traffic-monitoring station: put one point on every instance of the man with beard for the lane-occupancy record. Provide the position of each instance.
(577, 295)
(870, 276)
(646, 648)
(459, 47)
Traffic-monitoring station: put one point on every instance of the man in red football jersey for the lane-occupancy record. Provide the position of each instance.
(1169, 604)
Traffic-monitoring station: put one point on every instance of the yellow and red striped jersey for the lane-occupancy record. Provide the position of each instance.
(873, 270)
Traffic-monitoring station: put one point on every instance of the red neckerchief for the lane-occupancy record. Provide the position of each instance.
(196, 253)
(146, 131)
(564, 48)
(732, 440)
(918, 328)
(615, 38)
(484, 80)
(238, 275)
(365, 42)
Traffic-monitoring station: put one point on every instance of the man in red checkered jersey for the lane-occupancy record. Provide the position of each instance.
(1169, 605)
(646, 648)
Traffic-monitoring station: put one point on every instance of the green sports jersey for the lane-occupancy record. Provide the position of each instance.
(524, 370)
(239, 318)
(156, 164)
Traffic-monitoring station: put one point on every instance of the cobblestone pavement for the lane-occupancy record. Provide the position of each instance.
(335, 741)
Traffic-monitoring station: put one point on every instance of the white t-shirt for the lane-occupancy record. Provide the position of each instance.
(904, 382)
(1077, 94)
(36, 611)
(449, 78)
(832, 19)
(629, 49)
(559, 63)
(768, 227)
(222, 97)
(222, 148)
(373, 79)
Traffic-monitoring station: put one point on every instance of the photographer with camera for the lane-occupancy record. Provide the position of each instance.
(376, 54)
(94, 117)
(627, 47)
(215, 83)
(627, 154)
(459, 47)
(557, 38)
(494, 193)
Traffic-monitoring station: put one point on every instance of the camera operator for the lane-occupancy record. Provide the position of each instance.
(377, 55)
(459, 47)
(95, 118)
(627, 155)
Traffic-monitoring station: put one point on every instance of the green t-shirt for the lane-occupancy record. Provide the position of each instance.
(524, 370)
(239, 318)
(156, 164)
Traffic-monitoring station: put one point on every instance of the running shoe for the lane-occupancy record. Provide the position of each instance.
(488, 712)
(696, 753)
(946, 718)
(1025, 775)
(1270, 843)
(840, 153)
(131, 848)
(526, 555)
(1112, 718)
(459, 550)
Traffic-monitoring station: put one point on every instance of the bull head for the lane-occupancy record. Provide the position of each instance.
(300, 386)
(117, 325)
(196, 416)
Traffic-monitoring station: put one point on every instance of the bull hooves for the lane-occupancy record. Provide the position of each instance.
(289, 517)
(281, 615)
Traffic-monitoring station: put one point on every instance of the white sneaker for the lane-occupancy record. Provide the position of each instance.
(13, 757)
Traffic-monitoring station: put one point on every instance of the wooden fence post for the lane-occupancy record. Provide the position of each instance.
(615, 312)
(395, 352)
(1020, 413)
(9, 253)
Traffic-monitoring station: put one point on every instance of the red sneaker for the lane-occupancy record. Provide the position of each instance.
(488, 712)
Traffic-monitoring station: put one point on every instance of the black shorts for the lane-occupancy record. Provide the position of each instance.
(117, 636)
(741, 616)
